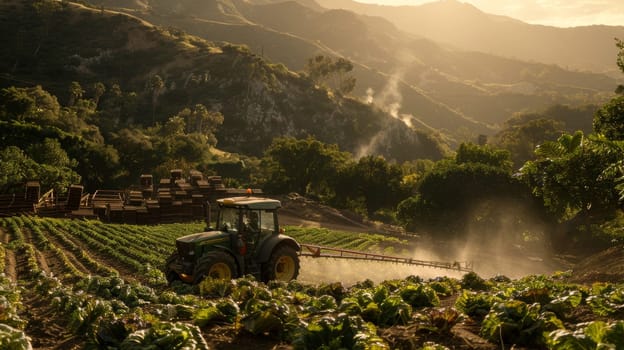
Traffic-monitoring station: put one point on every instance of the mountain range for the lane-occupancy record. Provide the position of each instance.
(444, 67)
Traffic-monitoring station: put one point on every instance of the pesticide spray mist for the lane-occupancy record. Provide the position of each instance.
(500, 251)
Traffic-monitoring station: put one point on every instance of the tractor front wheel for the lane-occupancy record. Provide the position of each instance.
(218, 265)
(170, 274)
(282, 266)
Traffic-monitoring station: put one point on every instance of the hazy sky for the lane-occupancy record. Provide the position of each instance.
(561, 13)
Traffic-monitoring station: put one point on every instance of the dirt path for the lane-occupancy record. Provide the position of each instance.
(45, 260)
(9, 259)
(10, 268)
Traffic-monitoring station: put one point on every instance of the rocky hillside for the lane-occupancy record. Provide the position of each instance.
(52, 44)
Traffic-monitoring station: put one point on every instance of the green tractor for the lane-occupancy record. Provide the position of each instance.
(247, 241)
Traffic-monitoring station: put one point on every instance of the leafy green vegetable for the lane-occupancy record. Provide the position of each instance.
(341, 332)
(419, 295)
(394, 311)
(166, 335)
(13, 339)
(591, 335)
(515, 322)
(475, 305)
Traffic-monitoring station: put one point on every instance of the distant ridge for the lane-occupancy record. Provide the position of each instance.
(465, 26)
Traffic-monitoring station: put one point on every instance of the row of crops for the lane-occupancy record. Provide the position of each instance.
(102, 285)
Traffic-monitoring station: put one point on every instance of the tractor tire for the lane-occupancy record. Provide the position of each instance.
(218, 265)
(282, 266)
(170, 274)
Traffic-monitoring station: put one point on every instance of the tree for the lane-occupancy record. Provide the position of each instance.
(50, 152)
(570, 176)
(75, 93)
(174, 127)
(15, 103)
(304, 166)
(372, 181)
(29, 105)
(98, 91)
(471, 153)
(521, 139)
(16, 168)
(334, 74)
(155, 87)
(140, 155)
(609, 120)
(202, 121)
(475, 191)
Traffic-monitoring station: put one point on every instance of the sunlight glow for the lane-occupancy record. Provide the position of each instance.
(559, 13)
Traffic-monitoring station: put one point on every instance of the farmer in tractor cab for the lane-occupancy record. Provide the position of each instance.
(251, 222)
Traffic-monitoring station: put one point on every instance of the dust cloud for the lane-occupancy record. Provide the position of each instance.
(512, 242)
(349, 272)
(504, 247)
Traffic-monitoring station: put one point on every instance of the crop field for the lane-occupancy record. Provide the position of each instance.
(73, 284)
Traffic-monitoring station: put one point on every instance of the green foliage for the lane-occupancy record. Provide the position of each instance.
(521, 138)
(471, 153)
(474, 304)
(326, 71)
(419, 295)
(471, 191)
(165, 335)
(222, 311)
(441, 320)
(268, 316)
(609, 119)
(305, 166)
(341, 332)
(473, 281)
(373, 181)
(13, 339)
(215, 287)
(16, 168)
(590, 335)
(113, 312)
(575, 175)
(514, 322)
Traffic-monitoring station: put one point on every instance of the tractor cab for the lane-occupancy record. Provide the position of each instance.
(253, 218)
(247, 240)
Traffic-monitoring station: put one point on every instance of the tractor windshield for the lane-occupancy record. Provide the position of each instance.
(228, 219)
(259, 221)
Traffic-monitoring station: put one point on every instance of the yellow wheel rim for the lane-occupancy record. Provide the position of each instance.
(220, 271)
(285, 268)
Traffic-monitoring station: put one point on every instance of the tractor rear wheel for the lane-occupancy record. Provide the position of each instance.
(218, 265)
(282, 266)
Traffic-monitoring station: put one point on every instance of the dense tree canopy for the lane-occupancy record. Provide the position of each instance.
(571, 175)
(371, 182)
(333, 73)
(305, 166)
(609, 120)
(475, 189)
